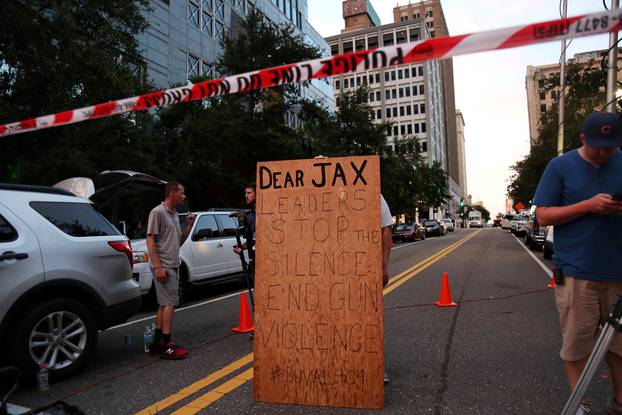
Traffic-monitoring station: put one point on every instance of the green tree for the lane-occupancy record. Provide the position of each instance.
(585, 92)
(218, 142)
(61, 55)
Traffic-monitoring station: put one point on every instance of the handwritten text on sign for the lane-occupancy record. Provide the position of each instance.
(318, 316)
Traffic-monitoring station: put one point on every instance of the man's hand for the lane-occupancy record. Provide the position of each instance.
(604, 203)
(237, 249)
(161, 274)
(190, 217)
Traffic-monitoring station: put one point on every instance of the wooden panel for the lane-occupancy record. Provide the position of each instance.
(319, 306)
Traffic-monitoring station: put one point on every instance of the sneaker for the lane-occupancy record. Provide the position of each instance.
(386, 378)
(612, 408)
(173, 352)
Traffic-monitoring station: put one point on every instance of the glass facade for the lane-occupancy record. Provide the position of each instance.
(183, 38)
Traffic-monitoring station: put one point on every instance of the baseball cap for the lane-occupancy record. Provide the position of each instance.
(603, 129)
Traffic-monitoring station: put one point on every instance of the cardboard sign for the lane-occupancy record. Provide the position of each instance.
(318, 283)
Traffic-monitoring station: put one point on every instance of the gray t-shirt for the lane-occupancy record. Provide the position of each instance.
(164, 225)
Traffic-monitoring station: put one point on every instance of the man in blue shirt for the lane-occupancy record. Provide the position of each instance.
(577, 193)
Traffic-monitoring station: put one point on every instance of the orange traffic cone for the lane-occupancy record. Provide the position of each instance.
(552, 283)
(445, 297)
(245, 324)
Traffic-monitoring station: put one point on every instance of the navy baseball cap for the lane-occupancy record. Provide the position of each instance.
(603, 129)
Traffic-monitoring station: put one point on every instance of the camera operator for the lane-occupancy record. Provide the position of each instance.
(249, 231)
(576, 195)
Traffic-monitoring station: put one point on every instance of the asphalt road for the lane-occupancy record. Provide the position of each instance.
(496, 353)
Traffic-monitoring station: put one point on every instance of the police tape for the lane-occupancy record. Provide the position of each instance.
(388, 56)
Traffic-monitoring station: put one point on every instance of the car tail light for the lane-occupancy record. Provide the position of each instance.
(125, 247)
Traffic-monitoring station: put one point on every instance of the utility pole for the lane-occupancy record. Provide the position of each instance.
(562, 88)
(612, 73)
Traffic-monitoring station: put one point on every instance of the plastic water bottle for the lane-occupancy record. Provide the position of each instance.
(148, 337)
(43, 378)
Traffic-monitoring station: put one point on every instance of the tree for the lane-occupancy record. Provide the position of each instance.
(585, 93)
(61, 55)
(217, 143)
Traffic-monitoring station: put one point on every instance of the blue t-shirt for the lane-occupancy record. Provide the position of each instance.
(589, 247)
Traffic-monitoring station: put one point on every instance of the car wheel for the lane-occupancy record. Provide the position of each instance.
(60, 332)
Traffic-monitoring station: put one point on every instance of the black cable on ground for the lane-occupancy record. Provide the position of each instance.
(475, 300)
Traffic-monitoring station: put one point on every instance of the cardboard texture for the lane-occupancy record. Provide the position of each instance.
(318, 284)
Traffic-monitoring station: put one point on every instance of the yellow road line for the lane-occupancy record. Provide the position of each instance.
(436, 259)
(213, 395)
(195, 387)
(430, 258)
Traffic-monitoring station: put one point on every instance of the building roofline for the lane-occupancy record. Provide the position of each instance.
(374, 29)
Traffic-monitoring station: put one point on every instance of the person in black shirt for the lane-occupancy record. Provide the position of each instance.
(249, 230)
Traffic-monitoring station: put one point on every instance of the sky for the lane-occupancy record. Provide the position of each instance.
(489, 86)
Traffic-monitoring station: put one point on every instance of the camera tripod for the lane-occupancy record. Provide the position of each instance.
(612, 325)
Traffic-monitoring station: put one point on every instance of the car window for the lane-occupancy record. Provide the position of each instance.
(229, 225)
(409, 227)
(207, 222)
(75, 219)
(7, 232)
(430, 223)
(400, 227)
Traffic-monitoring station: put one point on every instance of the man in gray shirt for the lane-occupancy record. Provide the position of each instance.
(164, 238)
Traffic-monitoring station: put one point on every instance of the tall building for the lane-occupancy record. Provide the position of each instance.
(462, 178)
(540, 99)
(430, 13)
(359, 14)
(183, 37)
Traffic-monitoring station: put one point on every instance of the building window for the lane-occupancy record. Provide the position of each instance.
(208, 16)
(371, 97)
(399, 74)
(541, 83)
(334, 50)
(372, 42)
(371, 79)
(407, 91)
(415, 109)
(360, 44)
(421, 92)
(347, 47)
(408, 110)
(424, 146)
(401, 37)
(387, 39)
(543, 108)
(423, 108)
(387, 94)
(388, 112)
(429, 13)
(410, 128)
(414, 35)
(401, 91)
(377, 78)
(394, 93)
(378, 114)
(542, 95)
(401, 111)
(337, 84)
(393, 75)
(394, 112)
(414, 71)
(388, 130)
(403, 129)
(416, 128)
(406, 73)
(377, 95)
(358, 81)
(554, 95)
(423, 127)
(415, 90)
(386, 76)
(193, 66)
(420, 71)
(395, 130)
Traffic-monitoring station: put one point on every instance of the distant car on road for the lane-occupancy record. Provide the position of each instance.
(433, 227)
(449, 224)
(506, 222)
(496, 222)
(206, 256)
(534, 233)
(476, 223)
(65, 274)
(408, 232)
(519, 223)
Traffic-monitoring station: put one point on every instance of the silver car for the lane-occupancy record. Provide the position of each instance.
(65, 273)
(206, 256)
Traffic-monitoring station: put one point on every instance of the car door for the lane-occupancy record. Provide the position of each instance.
(21, 266)
(208, 250)
(229, 226)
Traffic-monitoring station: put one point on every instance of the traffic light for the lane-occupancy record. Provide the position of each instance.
(461, 202)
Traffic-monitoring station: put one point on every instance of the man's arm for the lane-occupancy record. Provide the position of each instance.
(387, 242)
(558, 215)
(190, 221)
(155, 260)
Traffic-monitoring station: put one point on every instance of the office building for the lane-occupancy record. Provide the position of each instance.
(541, 97)
(183, 38)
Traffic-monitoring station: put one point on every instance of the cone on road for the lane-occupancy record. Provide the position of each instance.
(445, 298)
(245, 324)
(552, 283)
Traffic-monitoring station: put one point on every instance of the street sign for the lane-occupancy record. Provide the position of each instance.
(518, 206)
(319, 336)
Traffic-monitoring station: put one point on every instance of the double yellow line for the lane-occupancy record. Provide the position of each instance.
(213, 395)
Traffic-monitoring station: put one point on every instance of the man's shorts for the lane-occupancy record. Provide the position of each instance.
(167, 292)
(582, 304)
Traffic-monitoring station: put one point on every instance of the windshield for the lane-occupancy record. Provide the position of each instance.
(400, 227)
(430, 223)
(409, 227)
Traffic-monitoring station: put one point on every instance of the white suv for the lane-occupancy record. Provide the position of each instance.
(206, 256)
(65, 273)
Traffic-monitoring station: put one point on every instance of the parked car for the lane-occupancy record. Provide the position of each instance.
(496, 222)
(206, 256)
(433, 227)
(548, 243)
(506, 222)
(65, 273)
(519, 223)
(476, 223)
(408, 232)
(449, 224)
(534, 233)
